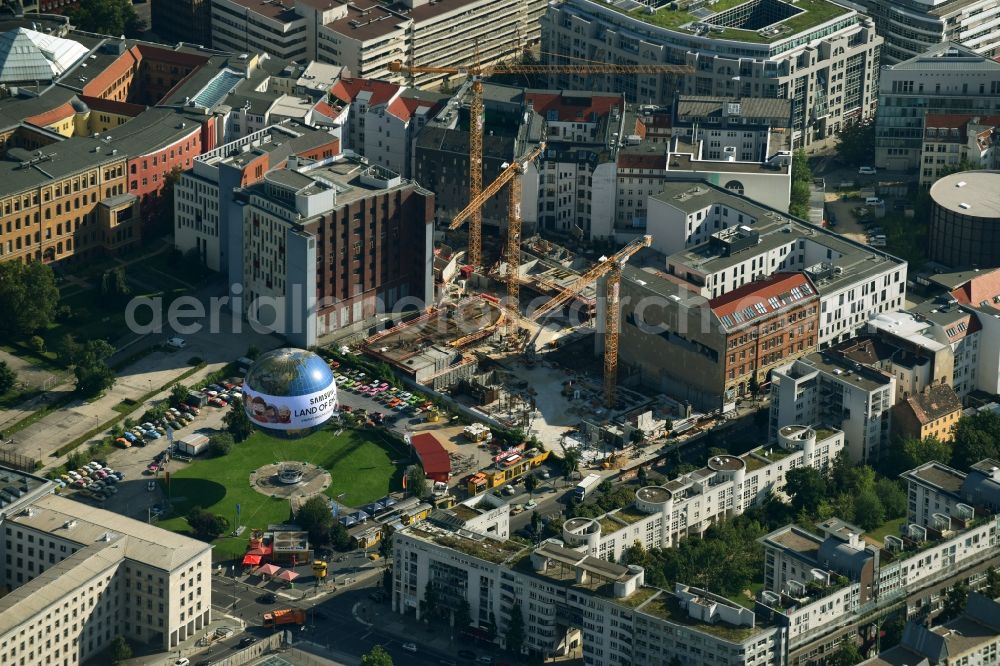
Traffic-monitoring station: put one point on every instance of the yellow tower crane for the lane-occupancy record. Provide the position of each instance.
(512, 175)
(612, 267)
(478, 72)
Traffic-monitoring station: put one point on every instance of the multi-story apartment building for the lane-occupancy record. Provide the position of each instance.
(830, 387)
(828, 589)
(571, 601)
(821, 55)
(187, 21)
(911, 27)
(327, 245)
(933, 412)
(953, 139)
(938, 494)
(972, 638)
(77, 576)
(577, 169)
(441, 155)
(742, 145)
(248, 26)
(854, 281)
(367, 36)
(946, 79)
(688, 505)
(382, 120)
(207, 218)
(50, 202)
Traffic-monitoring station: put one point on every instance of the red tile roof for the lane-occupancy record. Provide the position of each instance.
(51, 116)
(640, 161)
(759, 299)
(326, 110)
(433, 457)
(569, 108)
(404, 107)
(983, 287)
(347, 90)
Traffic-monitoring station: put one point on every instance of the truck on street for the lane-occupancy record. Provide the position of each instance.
(589, 483)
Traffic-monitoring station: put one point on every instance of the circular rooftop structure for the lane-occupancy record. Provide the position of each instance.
(726, 463)
(653, 494)
(965, 220)
(290, 389)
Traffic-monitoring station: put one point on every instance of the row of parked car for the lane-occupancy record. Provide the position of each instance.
(94, 480)
(358, 382)
(222, 394)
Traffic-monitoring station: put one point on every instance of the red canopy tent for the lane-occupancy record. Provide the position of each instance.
(251, 558)
(268, 570)
(287, 575)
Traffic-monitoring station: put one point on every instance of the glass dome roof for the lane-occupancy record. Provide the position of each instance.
(288, 372)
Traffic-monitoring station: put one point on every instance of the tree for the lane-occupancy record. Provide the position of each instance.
(238, 424)
(807, 488)
(92, 372)
(536, 524)
(515, 630)
(571, 461)
(206, 525)
(856, 143)
(530, 483)
(165, 202)
(801, 178)
(114, 285)
(868, 510)
(634, 554)
(377, 657)
(220, 444)
(67, 349)
(893, 498)
(462, 616)
(8, 378)
(992, 589)
(954, 602)
(642, 475)
(28, 297)
(913, 452)
(119, 650)
(429, 604)
(315, 517)
(847, 655)
(976, 438)
(416, 481)
(340, 539)
(178, 393)
(108, 17)
(253, 352)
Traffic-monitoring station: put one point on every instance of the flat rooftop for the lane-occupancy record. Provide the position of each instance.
(970, 193)
(847, 370)
(938, 476)
(86, 525)
(684, 160)
(793, 539)
(666, 606)
(497, 551)
(754, 21)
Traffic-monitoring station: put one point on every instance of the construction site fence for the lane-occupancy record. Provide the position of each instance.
(252, 653)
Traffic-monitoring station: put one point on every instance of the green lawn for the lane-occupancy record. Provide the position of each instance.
(890, 527)
(360, 463)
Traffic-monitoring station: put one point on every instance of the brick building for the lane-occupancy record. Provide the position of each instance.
(333, 245)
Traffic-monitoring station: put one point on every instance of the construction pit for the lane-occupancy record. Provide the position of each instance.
(431, 349)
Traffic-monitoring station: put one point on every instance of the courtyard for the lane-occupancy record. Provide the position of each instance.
(363, 466)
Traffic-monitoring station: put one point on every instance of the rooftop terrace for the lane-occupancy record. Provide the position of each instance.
(666, 606)
(757, 21)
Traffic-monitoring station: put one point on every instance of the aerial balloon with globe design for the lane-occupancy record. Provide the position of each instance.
(290, 390)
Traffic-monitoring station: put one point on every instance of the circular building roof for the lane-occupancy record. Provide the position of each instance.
(289, 372)
(970, 193)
